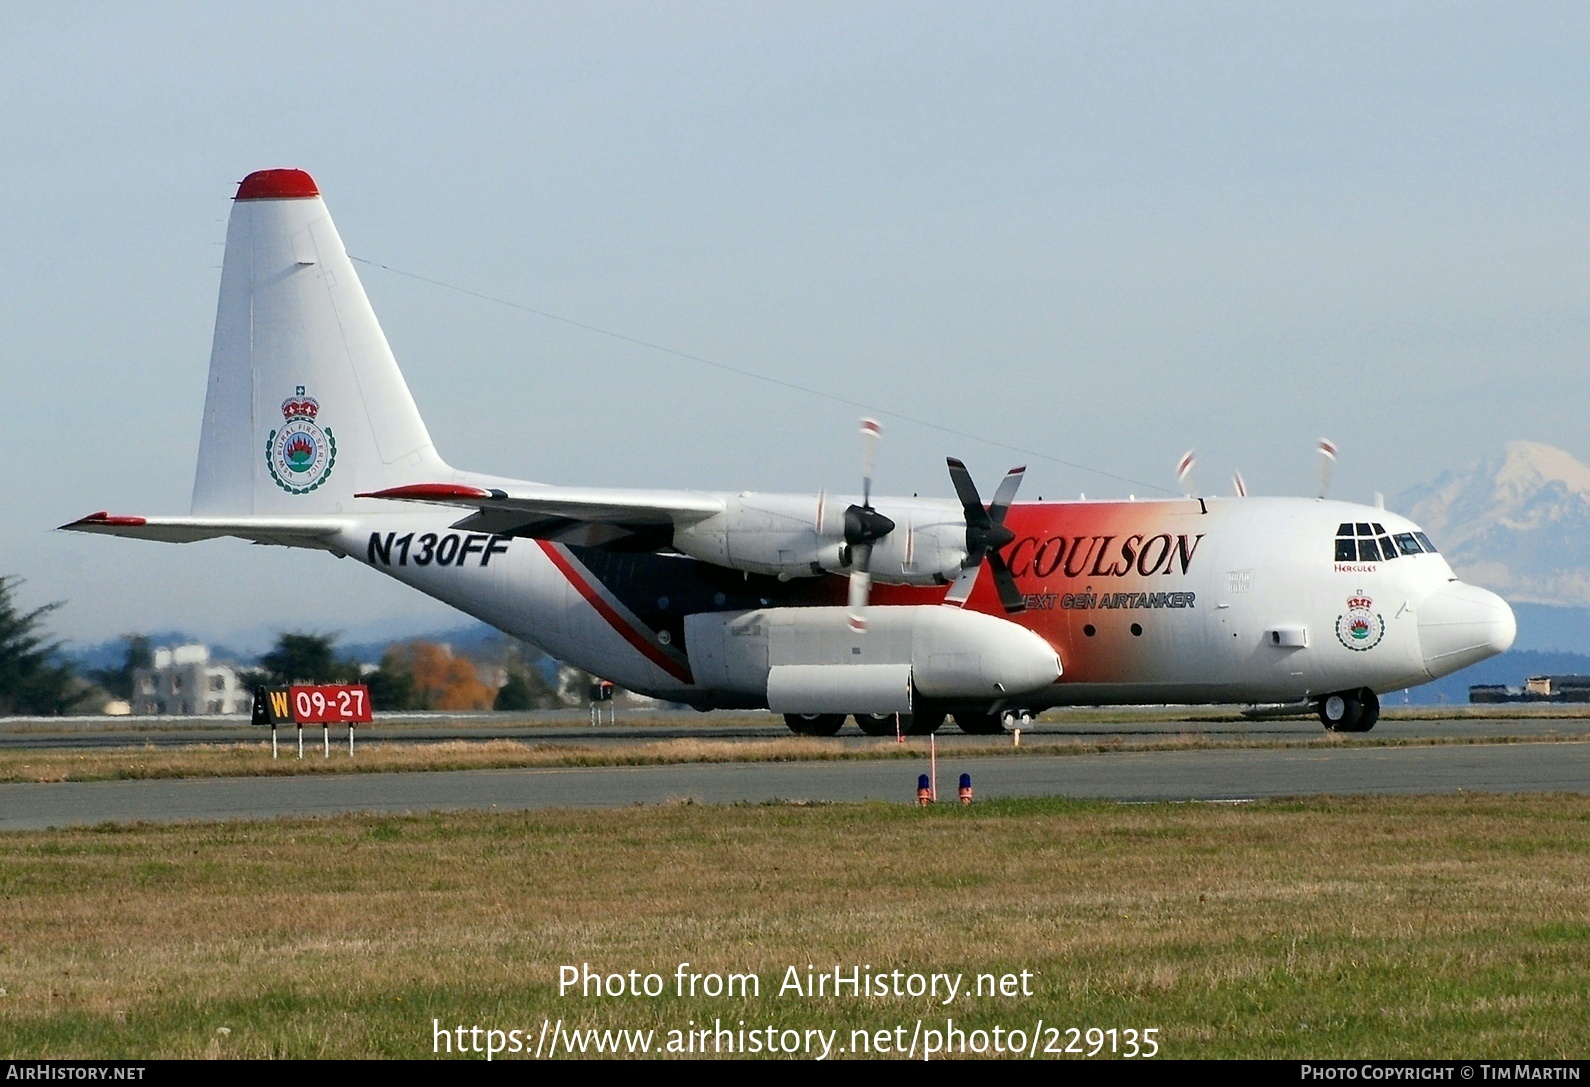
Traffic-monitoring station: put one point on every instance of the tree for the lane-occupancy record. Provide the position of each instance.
(119, 681)
(524, 691)
(391, 687)
(440, 680)
(32, 680)
(302, 658)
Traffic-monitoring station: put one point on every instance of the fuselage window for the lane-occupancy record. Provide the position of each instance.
(1407, 544)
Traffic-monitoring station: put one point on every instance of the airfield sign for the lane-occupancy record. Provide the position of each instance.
(323, 704)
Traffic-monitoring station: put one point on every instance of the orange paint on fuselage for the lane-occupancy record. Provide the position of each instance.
(1090, 571)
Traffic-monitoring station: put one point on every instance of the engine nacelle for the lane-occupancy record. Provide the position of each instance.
(799, 536)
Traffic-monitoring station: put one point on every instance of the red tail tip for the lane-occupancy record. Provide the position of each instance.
(277, 185)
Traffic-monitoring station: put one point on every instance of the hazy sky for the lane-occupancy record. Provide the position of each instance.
(1104, 233)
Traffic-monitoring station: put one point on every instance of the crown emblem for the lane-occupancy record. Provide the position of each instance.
(300, 407)
(1359, 602)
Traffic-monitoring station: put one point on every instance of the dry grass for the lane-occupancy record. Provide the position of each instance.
(254, 759)
(1412, 927)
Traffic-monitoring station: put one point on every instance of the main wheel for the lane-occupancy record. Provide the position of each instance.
(814, 724)
(881, 724)
(1370, 712)
(981, 724)
(1340, 712)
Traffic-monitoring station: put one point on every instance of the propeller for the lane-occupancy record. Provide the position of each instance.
(1327, 458)
(864, 526)
(1239, 485)
(1184, 468)
(985, 535)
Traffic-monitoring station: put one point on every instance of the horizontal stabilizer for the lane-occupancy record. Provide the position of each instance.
(595, 505)
(312, 532)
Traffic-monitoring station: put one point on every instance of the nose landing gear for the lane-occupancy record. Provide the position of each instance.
(1350, 711)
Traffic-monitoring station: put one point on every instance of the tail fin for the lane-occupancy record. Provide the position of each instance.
(306, 405)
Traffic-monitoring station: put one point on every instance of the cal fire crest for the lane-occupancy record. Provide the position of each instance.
(1362, 627)
(301, 454)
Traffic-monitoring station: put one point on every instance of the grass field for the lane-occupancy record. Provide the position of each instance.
(1413, 927)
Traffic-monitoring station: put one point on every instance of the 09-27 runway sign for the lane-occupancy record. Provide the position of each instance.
(318, 704)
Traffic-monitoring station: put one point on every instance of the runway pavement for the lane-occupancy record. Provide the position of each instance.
(1222, 775)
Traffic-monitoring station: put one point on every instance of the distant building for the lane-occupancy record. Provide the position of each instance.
(1559, 688)
(1535, 689)
(184, 682)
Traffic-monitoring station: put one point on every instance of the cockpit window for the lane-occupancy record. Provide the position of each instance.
(1425, 540)
(1364, 541)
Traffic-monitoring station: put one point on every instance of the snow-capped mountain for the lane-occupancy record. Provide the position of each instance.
(1518, 522)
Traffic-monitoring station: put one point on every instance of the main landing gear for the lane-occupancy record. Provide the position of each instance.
(873, 724)
(1350, 711)
(921, 723)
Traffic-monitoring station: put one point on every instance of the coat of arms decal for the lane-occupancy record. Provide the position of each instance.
(1362, 627)
(301, 454)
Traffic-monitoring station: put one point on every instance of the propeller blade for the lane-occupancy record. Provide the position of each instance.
(1327, 458)
(966, 491)
(1239, 484)
(961, 588)
(1011, 597)
(1006, 494)
(870, 433)
(1184, 466)
(860, 586)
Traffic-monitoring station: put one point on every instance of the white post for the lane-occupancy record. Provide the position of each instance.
(273, 739)
(326, 726)
(350, 739)
(300, 741)
(933, 768)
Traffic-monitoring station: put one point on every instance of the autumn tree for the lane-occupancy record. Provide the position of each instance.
(440, 681)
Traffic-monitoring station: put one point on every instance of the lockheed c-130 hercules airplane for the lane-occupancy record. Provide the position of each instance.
(814, 606)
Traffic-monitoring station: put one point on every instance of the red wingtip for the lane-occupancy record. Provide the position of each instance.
(103, 517)
(427, 492)
(277, 185)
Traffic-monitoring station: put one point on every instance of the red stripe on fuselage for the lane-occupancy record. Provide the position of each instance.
(615, 620)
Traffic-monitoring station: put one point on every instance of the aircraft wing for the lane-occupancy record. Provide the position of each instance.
(311, 532)
(531, 505)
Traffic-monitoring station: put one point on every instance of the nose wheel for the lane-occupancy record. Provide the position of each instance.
(1350, 711)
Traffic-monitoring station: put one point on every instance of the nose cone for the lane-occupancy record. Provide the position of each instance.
(1460, 624)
